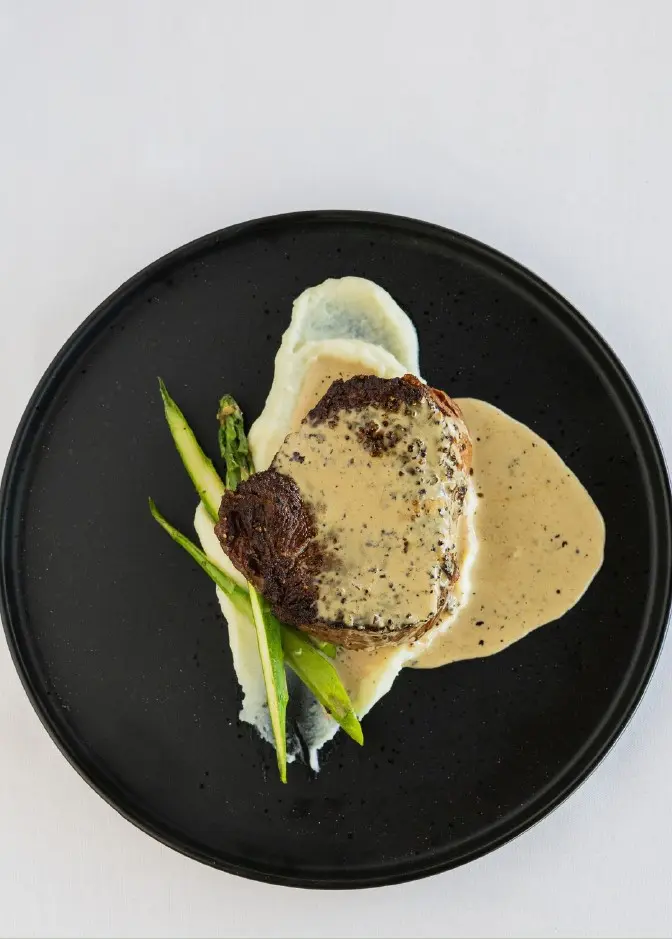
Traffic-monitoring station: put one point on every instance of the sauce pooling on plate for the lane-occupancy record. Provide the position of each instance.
(533, 539)
(539, 541)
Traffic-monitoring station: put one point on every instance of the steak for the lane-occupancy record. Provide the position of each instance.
(351, 534)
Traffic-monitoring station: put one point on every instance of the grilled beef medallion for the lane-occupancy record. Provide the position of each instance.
(351, 534)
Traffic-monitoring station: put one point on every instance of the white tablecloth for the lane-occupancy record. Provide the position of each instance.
(541, 128)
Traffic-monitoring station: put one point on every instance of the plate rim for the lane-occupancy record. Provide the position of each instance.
(627, 697)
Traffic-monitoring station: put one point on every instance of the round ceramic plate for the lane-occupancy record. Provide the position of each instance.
(117, 635)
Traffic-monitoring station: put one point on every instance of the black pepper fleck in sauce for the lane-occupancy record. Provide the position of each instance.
(520, 578)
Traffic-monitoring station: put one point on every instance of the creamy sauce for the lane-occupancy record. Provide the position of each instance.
(540, 541)
(384, 487)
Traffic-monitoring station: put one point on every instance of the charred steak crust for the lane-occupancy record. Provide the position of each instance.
(354, 394)
(388, 394)
(269, 532)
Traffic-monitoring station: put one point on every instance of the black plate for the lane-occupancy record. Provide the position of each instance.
(117, 636)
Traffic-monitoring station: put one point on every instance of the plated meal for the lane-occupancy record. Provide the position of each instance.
(430, 454)
(371, 522)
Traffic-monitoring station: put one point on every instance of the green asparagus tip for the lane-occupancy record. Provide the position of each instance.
(233, 445)
(228, 406)
(353, 729)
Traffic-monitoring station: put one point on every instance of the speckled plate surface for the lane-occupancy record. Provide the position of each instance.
(118, 638)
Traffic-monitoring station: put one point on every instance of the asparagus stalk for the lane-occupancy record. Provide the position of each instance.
(233, 444)
(316, 672)
(210, 489)
(275, 678)
(320, 676)
(201, 471)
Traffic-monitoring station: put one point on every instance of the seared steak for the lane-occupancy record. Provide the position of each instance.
(351, 534)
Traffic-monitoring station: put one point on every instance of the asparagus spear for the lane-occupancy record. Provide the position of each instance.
(272, 657)
(203, 474)
(316, 672)
(233, 444)
(210, 488)
(320, 676)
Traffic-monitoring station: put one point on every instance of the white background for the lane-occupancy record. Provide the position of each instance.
(542, 128)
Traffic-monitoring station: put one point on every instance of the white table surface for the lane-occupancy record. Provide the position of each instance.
(542, 128)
